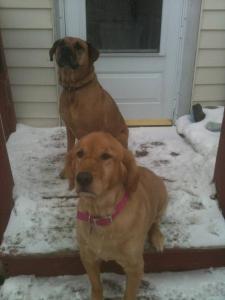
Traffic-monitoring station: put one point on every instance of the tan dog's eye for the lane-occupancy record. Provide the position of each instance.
(80, 153)
(78, 48)
(105, 156)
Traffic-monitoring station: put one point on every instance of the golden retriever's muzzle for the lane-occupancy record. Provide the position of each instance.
(66, 58)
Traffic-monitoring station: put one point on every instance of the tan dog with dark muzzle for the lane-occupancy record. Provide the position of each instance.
(120, 204)
(84, 105)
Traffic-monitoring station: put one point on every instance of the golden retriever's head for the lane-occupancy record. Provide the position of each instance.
(98, 162)
(73, 53)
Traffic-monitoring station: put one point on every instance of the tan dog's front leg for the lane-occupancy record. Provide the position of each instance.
(70, 139)
(123, 137)
(92, 267)
(134, 272)
(70, 143)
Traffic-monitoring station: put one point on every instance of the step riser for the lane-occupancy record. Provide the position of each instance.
(169, 260)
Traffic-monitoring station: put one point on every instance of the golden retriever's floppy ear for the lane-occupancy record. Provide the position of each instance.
(53, 49)
(92, 52)
(70, 168)
(132, 174)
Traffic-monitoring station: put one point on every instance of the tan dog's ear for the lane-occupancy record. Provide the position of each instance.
(53, 49)
(70, 168)
(132, 176)
(92, 52)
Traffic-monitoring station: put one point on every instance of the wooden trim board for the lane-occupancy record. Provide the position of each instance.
(149, 122)
(6, 184)
(219, 173)
(70, 264)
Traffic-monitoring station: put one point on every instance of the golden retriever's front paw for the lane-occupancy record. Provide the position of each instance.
(158, 242)
(156, 238)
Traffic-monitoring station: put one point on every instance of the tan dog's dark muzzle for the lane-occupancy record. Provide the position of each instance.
(66, 58)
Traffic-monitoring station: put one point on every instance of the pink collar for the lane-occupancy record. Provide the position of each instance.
(105, 220)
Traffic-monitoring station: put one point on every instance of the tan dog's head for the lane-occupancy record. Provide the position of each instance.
(73, 53)
(98, 162)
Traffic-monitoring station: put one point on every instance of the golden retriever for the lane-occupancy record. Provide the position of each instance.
(84, 105)
(120, 204)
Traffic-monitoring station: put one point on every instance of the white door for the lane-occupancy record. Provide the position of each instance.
(141, 48)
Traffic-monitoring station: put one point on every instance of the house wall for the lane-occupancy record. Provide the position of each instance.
(209, 81)
(27, 32)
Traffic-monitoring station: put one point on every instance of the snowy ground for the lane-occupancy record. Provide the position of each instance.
(44, 216)
(195, 285)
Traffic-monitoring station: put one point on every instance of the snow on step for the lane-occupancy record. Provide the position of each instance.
(43, 220)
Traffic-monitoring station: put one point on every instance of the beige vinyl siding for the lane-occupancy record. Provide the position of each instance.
(209, 81)
(27, 32)
(34, 93)
(208, 92)
(26, 3)
(28, 58)
(214, 4)
(32, 76)
(27, 39)
(209, 76)
(213, 39)
(25, 18)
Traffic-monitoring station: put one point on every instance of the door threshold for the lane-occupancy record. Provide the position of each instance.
(148, 122)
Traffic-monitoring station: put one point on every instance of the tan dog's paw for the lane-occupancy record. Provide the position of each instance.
(62, 174)
(156, 238)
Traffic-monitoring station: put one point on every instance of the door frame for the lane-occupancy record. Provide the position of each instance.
(188, 45)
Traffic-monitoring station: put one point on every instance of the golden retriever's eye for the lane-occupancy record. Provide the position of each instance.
(105, 156)
(80, 153)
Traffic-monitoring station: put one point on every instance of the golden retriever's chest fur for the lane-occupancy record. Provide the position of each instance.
(106, 244)
(100, 241)
(127, 231)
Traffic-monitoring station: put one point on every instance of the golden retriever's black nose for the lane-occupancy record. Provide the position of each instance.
(84, 178)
